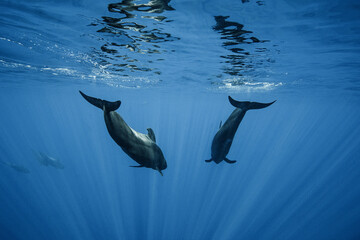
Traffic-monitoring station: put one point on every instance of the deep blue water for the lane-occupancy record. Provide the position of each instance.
(173, 64)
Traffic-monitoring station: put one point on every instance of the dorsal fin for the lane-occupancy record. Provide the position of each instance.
(151, 134)
(220, 124)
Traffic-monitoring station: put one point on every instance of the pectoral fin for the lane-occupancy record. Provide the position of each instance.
(229, 161)
(151, 134)
(208, 160)
(137, 166)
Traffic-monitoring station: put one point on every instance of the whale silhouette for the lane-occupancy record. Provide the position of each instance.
(140, 147)
(224, 137)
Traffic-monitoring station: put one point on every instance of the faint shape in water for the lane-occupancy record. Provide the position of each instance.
(224, 137)
(16, 167)
(46, 160)
(130, 36)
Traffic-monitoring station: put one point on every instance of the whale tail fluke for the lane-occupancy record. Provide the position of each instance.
(102, 104)
(246, 105)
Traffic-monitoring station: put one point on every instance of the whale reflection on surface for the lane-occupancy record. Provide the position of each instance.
(136, 31)
(247, 52)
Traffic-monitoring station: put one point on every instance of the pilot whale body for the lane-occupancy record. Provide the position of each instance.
(140, 147)
(18, 168)
(224, 137)
(48, 161)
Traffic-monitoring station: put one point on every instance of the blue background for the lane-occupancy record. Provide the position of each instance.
(297, 172)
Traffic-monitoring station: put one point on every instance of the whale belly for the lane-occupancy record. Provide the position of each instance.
(136, 145)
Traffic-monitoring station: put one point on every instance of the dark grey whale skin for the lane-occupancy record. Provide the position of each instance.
(140, 147)
(224, 137)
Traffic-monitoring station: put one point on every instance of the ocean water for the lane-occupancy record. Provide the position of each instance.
(173, 65)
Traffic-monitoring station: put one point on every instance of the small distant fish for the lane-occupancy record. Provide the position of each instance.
(17, 168)
(48, 161)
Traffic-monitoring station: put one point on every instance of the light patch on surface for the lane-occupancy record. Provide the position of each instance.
(101, 75)
(61, 71)
(9, 40)
(97, 74)
(245, 85)
(15, 65)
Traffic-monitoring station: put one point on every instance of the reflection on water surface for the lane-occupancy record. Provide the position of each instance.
(137, 30)
(235, 37)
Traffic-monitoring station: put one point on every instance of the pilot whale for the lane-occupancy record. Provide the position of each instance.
(18, 168)
(224, 137)
(48, 161)
(140, 147)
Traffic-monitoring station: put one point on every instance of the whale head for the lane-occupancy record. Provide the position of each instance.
(160, 163)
